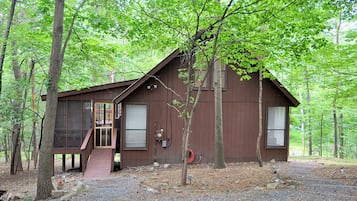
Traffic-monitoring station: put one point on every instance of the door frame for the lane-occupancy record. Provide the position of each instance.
(106, 128)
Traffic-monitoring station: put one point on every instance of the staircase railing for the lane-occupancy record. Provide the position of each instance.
(86, 148)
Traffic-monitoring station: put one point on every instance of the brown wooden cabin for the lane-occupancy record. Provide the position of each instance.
(133, 118)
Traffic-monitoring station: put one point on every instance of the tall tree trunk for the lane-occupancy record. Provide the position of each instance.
(342, 141)
(44, 183)
(6, 37)
(34, 117)
(219, 145)
(260, 121)
(308, 105)
(185, 141)
(321, 128)
(6, 147)
(335, 121)
(16, 162)
(335, 127)
(302, 127)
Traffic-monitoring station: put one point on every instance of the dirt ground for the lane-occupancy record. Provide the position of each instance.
(203, 177)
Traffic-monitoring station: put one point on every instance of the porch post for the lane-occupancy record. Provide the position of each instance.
(53, 165)
(73, 160)
(63, 162)
(80, 162)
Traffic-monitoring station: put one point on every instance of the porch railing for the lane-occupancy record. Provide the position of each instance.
(86, 148)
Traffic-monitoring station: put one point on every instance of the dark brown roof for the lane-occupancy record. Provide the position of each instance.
(93, 89)
(287, 94)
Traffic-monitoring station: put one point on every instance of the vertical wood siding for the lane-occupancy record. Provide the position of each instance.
(240, 109)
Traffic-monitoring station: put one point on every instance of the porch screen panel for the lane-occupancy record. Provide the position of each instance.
(135, 126)
(74, 131)
(87, 118)
(60, 125)
(276, 127)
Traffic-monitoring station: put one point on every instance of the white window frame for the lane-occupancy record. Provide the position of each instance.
(276, 127)
(135, 126)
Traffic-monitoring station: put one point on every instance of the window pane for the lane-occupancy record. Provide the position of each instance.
(201, 78)
(276, 118)
(135, 117)
(276, 137)
(276, 126)
(135, 138)
(135, 126)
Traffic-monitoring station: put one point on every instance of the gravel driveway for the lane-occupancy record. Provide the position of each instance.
(310, 188)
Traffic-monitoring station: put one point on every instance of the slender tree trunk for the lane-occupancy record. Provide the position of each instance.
(336, 122)
(335, 128)
(6, 148)
(185, 153)
(260, 121)
(44, 183)
(6, 37)
(321, 128)
(342, 141)
(309, 115)
(16, 162)
(302, 127)
(34, 117)
(219, 145)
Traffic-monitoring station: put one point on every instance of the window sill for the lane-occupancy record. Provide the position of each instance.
(276, 147)
(135, 149)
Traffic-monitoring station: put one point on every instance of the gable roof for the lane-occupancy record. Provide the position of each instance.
(168, 59)
(287, 94)
(144, 78)
(92, 89)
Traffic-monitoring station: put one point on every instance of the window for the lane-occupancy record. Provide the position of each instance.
(135, 126)
(201, 78)
(276, 127)
(223, 73)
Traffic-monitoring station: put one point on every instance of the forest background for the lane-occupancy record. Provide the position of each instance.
(107, 46)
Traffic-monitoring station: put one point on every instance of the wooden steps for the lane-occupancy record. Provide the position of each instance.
(99, 164)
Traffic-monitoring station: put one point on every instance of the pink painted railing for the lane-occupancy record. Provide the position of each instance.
(86, 148)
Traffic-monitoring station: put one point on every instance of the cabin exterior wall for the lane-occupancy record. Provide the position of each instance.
(240, 120)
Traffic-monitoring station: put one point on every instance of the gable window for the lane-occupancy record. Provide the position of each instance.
(276, 127)
(136, 126)
(203, 77)
(223, 73)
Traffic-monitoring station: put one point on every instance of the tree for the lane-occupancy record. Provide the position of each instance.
(260, 116)
(44, 182)
(6, 37)
(247, 31)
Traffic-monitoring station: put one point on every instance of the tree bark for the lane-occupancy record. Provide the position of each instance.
(302, 126)
(335, 126)
(309, 115)
(219, 145)
(321, 129)
(44, 183)
(34, 117)
(16, 162)
(342, 141)
(260, 132)
(6, 37)
(6, 147)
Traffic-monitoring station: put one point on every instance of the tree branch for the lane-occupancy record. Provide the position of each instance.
(71, 28)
